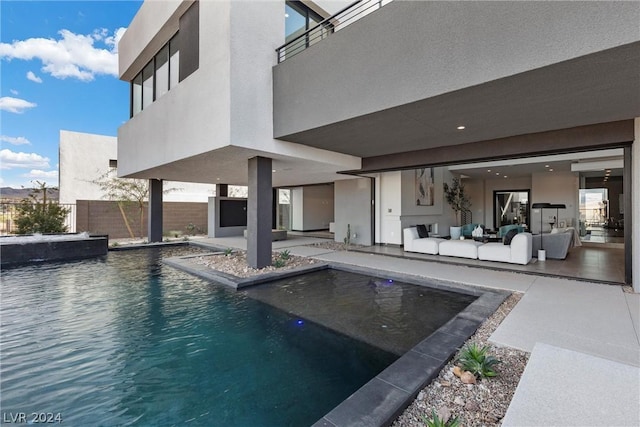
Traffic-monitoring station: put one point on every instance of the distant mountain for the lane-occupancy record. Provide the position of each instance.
(21, 193)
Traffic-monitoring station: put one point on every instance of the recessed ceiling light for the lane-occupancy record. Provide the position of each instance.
(460, 128)
(497, 173)
(550, 170)
(217, 179)
(273, 170)
(608, 171)
(505, 176)
(546, 166)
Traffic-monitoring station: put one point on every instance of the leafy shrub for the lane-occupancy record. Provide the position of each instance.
(436, 421)
(475, 359)
(228, 252)
(285, 255)
(36, 214)
(279, 263)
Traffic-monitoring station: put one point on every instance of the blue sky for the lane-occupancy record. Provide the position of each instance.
(58, 65)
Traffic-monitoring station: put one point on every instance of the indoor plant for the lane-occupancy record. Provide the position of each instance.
(455, 196)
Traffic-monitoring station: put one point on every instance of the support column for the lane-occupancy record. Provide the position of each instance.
(154, 218)
(632, 213)
(259, 212)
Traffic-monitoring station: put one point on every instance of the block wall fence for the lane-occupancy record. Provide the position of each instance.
(104, 217)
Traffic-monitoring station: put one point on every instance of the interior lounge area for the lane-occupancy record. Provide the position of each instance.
(572, 204)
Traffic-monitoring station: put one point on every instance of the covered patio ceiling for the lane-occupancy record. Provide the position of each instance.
(597, 88)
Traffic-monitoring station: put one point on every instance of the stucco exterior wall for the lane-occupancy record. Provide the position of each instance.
(83, 158)
(374, 64)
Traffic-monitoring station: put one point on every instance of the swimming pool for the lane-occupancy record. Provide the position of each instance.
(124, 340)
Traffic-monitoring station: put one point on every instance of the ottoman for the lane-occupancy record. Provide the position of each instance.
(460, 248)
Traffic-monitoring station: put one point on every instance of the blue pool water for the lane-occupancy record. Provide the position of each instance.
(124, 340)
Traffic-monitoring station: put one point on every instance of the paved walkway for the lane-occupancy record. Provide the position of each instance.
(586, 334)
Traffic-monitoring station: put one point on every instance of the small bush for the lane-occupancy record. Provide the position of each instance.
(279, 263)
(475, 359)
(285, 255)
(115, 244)
(228, 252)
(436, 421)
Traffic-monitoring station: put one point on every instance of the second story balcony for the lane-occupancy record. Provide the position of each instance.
(407, 76)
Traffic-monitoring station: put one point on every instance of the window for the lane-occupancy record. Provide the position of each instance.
(162, 72)
(136, 95)
(167, 68)
(113, 163)
(147, 85)
(174, 63)
(298, 19)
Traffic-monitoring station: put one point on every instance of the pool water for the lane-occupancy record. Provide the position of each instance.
(125, 340)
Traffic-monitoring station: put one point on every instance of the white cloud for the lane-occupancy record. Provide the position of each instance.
(10, 160)
(31, 76)
(15, 105)
(13, 91)
(15, 140)
(39, 174)
(72, 55)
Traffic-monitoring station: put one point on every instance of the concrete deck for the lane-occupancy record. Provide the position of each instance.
(564, 323)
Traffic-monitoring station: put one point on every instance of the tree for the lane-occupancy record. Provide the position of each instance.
(36, 214)
(125, 191)
(457, 198)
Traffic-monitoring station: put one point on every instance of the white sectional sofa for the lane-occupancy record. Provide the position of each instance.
(518, 252)
(425, 245)
(467, 248)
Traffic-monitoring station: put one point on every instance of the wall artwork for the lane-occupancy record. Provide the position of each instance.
(424, 187)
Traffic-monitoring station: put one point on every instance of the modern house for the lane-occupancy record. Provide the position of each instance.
(527, 102)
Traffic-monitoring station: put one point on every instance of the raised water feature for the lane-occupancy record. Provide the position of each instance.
(18, 250)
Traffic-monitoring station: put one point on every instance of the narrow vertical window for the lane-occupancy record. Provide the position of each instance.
(136, 95)
(174, 63)
(162, 72)
(147, 85)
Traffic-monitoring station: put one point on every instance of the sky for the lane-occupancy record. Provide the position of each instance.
(58, 71)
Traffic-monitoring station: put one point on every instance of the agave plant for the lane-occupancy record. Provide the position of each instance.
(475, 359)
(436, 421)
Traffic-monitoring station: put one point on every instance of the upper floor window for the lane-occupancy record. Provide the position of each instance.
(298, 19)
(156, 78)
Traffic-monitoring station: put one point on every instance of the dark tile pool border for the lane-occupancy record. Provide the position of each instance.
(380, 401)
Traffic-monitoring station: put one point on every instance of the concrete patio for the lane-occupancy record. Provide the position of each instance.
(584, 337)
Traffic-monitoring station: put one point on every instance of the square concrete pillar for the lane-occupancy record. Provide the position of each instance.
(154, 221)
(632, 213)
(259, 212)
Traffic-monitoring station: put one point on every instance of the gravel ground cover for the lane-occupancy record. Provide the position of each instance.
(482, 404)
(236, 263)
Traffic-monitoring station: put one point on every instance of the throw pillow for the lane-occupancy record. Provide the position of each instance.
(509, 236)
(422, 231)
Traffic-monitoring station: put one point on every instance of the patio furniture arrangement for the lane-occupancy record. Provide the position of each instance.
(517, 251)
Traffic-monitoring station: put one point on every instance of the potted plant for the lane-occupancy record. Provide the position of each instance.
(459, 202)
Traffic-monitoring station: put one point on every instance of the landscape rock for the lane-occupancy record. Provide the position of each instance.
(468, 378)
